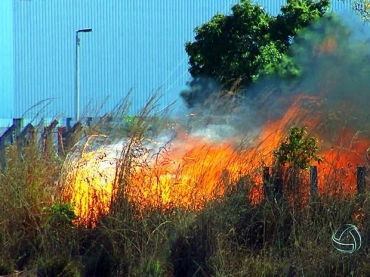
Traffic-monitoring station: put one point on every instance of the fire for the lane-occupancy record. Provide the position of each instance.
(328, 46)
(88, 183)
(341, 161)
(193, 169)
(187, 174)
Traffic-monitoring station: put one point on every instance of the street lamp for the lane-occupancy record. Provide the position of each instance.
(77, 77)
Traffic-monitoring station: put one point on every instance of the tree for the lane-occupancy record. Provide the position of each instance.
(248, 43)
(297, 150)
(295, 153)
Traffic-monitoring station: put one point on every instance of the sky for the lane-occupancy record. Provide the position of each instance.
(6, 58)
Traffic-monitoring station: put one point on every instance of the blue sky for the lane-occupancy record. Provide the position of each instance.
(6, 58)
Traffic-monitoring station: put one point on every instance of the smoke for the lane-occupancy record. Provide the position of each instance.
(334, 57)
(190, 154)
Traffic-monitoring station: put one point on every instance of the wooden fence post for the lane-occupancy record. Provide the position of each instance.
(46, 137)
(313, 183)
(17, 123)
(9, 137)
(68, 123)
(266, 183)
(88, 121)
(2, 152)
(277, 182)
(272, 184)
(26, 136)
(66, 136)
(61, 140)
(361, 179)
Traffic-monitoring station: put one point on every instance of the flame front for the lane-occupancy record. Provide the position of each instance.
(194, 169)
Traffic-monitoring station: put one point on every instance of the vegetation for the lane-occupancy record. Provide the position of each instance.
(229, 237)
(296, 153)
(298, 150)
(234, 50)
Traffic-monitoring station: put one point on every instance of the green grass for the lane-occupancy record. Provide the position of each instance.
(229, 237)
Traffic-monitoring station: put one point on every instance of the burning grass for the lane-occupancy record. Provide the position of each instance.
(154, 197)
(180, 204)
(185, 170)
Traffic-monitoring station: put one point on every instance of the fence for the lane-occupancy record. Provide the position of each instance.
(66, 136)
(273, 183)
(63, 136)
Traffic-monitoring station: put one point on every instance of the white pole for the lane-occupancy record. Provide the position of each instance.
(77, 76)
(77, 81)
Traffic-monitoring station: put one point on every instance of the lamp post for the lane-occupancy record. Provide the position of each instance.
(77, 72)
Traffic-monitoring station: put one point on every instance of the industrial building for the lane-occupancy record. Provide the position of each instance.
(135, 46)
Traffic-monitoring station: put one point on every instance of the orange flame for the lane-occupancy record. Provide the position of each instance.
(328, 46)
(193, 170)
(340, 163)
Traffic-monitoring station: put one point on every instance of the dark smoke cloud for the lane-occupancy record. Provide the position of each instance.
(334, 56)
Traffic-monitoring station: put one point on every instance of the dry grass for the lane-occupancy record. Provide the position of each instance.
(230, 236)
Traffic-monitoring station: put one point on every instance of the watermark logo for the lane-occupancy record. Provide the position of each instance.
(347, 239)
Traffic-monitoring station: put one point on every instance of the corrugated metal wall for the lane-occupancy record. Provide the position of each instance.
(6, 60)
(134, 44)
(273, 6)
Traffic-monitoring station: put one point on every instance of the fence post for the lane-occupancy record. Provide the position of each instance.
(68, 122)
(46, 137)
(272, 184)
(17, 123)
(313, 183)
(277, 182)
(361, 179)
(9, 137)
(88, 121)
(26, 136)
(61, 140)
(2, 152)
(266, 183)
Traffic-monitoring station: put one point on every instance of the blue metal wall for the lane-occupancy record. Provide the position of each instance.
(134, 44)
(273, 6)
(6, 59)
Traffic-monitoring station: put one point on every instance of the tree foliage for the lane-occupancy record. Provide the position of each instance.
(298, 150)
(245, 45)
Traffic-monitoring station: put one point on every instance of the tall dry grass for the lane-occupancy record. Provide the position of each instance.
(230, 236)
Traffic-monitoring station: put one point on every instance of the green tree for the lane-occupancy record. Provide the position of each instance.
(298, 150)
(240, 47)
(295, 153)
